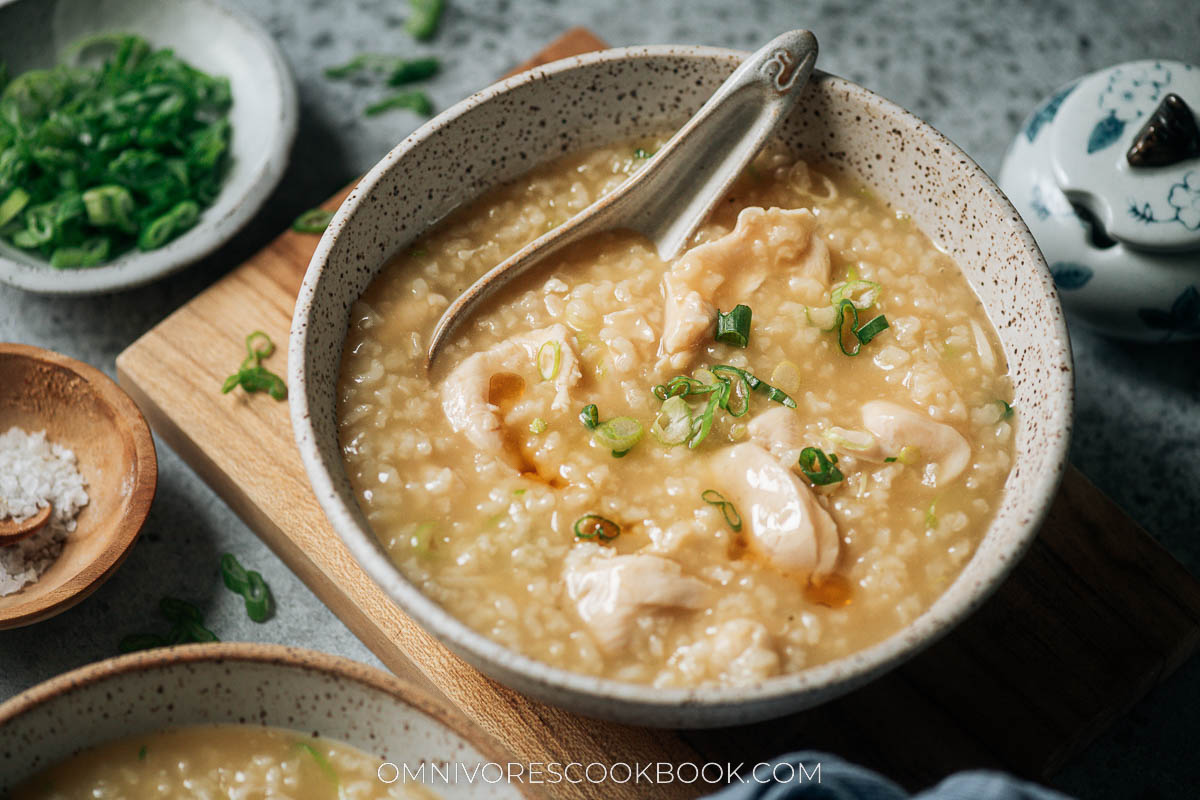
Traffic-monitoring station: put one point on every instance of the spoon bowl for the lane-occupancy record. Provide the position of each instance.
(82, 409)
(12, 531)
(674, 192)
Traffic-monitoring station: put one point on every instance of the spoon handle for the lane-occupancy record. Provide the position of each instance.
(684, 180)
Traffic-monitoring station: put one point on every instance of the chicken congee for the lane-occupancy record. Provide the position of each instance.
(773, 451)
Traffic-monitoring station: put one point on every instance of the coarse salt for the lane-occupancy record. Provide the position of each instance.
(34, 472)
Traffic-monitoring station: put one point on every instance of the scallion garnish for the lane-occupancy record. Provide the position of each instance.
(618, 434)
(732, 518)
(673, 423)
(734, 327)
(553, 350)
(315, 220)
(860, 292)
(423, 17)
(862, 335)
(399, 70)
(642, 153)
(590, 416)
(252, 376)
(818, 467)
(412, 100)
(889, 460)
(594, 526)
(931, 520)
(322, 763)
(1006, 409)
(538, 426)
(97, 161)
(727, 387)
(187, 625)
(250, 585)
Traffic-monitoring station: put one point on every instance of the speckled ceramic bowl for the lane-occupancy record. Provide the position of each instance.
(601, 97)
(311, 693)
(214, 35)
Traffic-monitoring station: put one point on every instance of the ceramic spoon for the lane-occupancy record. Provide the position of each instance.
(12, 532)
(672, 194)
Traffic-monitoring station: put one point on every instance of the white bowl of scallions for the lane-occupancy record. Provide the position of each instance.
(136, 137)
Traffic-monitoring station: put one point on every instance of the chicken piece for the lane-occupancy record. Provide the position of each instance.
(725, 271)
(778, 431)
(785, 522)
(612, 592)
(465, 390)
(945, 450)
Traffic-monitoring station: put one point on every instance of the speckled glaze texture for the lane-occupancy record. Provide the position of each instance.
(592, 99)
(34, 33)
(271, 685)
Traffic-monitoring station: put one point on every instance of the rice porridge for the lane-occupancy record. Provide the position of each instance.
(774, 451)
(233, 761)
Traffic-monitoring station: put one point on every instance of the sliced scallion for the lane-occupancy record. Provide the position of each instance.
(322, 763)
(315, 220)
(1006, 409)
(594, 526)
(819, 468)
(845, 310)
(550, 351)
(252, 376)
(642, 153)
(423, 18)
(590, 416)
(673, 423)
(538, 426)
(618, 434)
(732, 518)
(733, 327)
(860, 292)
(250, 585)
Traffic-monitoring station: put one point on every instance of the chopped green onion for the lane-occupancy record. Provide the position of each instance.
(618, 434)
(824, 317)
(734, 327)
(732, 518)
(755, 383)
(259, 602)
(594, 526)
(846, 310)
(421, 540)
(95, 161)
(931, 520)
(423, 18)
(862, 293)
(889, 459)
(176, 610)
(187, 625)
(1006, 409)
(315, 220)
(142, 753)
(233, 574)
(909, 455)
(590, 416)
(322, 762)
(642, 153)
(549, 372)
(673, 423)
(252, 376)
(415, 69)
(818, 467)
(413, 101)
(703, 424)
(399, 70)
(538, 425)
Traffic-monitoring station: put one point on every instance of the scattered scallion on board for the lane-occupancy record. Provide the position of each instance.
(594, 526)
(250, 585)
(187, 625)
(423, 18)
(252, 376)
(733, 327)
(732, 518)
(412, 100)
(96, 161)
(819, 468)
(315, 220)
(399, 71)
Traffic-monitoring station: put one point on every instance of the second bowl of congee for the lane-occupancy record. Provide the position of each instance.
(693, 491)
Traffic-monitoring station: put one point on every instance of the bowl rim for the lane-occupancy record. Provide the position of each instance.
(271, 655)
(141, 494)
(826, 680)
(136, 268)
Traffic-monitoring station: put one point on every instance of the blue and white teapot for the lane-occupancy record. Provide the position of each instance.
(1106, 173)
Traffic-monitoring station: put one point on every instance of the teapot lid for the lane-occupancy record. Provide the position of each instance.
(1126, 147)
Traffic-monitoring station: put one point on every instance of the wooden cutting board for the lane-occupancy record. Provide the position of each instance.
(1094, 617)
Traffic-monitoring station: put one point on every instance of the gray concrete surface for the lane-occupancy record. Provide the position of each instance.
(971, 69)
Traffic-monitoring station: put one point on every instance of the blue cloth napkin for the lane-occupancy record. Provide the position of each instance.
(796, 778)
